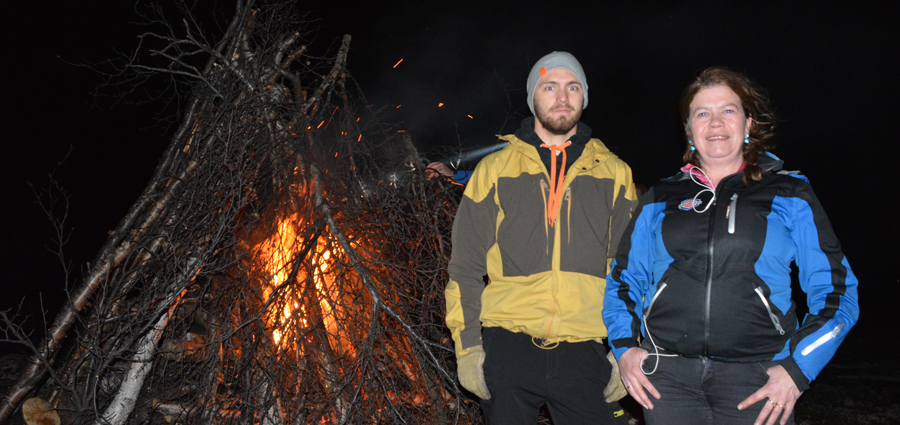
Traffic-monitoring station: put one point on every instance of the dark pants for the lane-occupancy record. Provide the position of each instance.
(705, 392)
(569, 379)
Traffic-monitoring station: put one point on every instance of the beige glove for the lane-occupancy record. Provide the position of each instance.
(470, 368)
(615, 389)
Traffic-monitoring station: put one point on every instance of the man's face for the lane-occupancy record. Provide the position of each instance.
(558, 100)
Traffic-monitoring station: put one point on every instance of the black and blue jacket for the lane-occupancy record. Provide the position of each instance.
(717, 283)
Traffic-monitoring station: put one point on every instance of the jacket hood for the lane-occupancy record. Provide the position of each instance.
(770, 163)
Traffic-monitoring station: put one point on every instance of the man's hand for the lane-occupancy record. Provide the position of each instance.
(615, 389)
(635, 381)
(438, 168)
(470, 368)
(782, 393)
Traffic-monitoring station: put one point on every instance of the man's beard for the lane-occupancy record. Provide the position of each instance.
(558, 126)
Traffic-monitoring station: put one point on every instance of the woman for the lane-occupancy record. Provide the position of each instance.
(702, 273)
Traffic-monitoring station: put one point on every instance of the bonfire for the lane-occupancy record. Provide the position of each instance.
(284, 265)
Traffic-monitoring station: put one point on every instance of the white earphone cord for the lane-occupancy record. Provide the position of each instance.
(707, 188)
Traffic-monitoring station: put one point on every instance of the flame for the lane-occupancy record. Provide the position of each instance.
(319, 294)
(286, 316)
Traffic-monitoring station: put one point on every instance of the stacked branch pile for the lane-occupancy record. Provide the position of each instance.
(285, 264)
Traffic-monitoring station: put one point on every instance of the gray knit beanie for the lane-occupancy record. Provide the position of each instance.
(552, 61)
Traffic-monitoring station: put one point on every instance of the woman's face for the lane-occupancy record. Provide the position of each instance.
(717, 125)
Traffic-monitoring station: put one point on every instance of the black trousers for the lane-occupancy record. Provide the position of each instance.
(705, 392)
(569, 379)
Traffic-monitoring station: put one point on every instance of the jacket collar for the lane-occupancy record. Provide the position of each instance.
(768, 163)
(574, 151)
(526, 134)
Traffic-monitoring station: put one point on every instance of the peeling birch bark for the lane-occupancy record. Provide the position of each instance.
(141, 362)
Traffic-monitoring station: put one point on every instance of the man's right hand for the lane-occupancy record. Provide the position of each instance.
(470, 368)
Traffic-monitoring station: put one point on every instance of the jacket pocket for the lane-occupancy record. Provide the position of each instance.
(662, 286)
(823, 339)
(765, 302)
(731, 213)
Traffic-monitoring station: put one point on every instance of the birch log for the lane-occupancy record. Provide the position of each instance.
(141, 362)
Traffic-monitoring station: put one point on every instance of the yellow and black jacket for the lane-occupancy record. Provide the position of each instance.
(546, 269)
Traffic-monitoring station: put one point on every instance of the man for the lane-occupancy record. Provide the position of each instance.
(541, 218)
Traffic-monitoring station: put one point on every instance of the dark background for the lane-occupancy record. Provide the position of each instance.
(830, 69)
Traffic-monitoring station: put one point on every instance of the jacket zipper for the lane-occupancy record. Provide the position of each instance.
(731, 213)
(772, 316)
(823, 339)
(710, 249)
(545, 189)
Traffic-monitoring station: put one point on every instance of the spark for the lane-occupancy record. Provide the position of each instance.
(440, 104)
(398, 63)
(470, 116)
(398, 106)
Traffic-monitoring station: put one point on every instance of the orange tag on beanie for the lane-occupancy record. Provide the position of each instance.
(543, 71)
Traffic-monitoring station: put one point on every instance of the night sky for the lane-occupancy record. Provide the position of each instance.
(831, 72)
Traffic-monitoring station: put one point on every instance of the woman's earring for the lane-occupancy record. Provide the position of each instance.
(691, 142)
(747, 139)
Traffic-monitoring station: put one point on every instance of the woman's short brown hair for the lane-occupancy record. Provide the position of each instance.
(755, 104)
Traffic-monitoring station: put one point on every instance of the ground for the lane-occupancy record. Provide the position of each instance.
(856, 388)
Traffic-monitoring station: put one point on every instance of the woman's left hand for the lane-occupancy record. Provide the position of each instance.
(782, 393)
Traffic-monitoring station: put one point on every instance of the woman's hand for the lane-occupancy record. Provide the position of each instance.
(782, 394)
(634, 379)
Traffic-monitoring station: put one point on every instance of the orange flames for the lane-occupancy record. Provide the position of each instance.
(288, 310)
